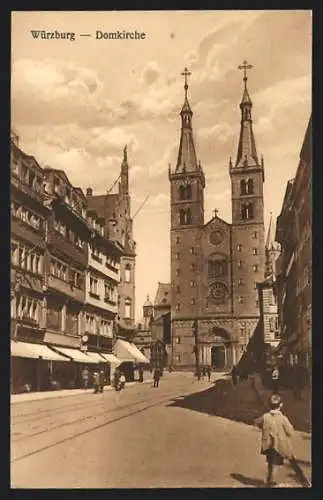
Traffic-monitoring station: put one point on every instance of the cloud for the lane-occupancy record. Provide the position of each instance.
(108, 140)
(54, 92)
(150, 73)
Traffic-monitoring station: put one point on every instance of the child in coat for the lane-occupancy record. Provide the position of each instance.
(276, 437)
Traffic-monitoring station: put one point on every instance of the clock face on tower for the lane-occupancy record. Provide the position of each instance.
(218, 291)
(216, 237)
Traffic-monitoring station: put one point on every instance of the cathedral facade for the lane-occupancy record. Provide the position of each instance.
(215, 265)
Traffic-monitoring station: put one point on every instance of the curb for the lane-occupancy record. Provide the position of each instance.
(303, 479)
(63, 394)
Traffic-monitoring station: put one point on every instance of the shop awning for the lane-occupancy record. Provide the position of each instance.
(75, 354)
(127, 351)
(35, 351)
(96, 357)
(110, 358)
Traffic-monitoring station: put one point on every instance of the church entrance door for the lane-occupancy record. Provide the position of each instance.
(218, 357)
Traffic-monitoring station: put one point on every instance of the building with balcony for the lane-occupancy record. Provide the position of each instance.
(101, 287)
(115, 209)
(66, 260)
(29, 215)
(294, 266)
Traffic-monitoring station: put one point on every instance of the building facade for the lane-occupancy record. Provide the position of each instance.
(101, 287)
(294, 267)
(64, 279)
(215, 265)
(115, 209)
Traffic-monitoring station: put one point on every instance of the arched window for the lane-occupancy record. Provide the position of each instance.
(247, 211)
(185, 192)
(185, 216)
(243, 187)
(217, 266)
(182, 192)
(250, 186)
(127, 273)
(127, 308)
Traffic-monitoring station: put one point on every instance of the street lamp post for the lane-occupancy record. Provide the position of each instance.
(196, 349)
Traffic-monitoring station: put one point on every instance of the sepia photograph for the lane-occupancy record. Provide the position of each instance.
(161, 249)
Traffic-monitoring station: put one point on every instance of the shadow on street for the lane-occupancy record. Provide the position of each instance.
(240, 403)
(248, 481)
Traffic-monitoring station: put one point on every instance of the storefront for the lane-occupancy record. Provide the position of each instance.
(33, 366)
(131, 359)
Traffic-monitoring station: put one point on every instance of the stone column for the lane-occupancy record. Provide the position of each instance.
(234, 354)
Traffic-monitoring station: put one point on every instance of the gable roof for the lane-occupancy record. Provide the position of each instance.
(162, 297)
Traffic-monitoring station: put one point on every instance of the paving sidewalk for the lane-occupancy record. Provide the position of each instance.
(38, 396)
(299, 413)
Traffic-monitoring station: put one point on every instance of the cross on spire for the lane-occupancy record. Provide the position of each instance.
(245, 66)
(186, 73)
(215, 211)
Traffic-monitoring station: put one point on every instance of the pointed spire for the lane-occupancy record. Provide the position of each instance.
(268, 239)
(247, 152)
(186, 161)
(124, 172)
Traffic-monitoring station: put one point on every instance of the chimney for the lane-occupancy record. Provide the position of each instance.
(89, 192)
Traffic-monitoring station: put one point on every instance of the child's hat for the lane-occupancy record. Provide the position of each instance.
(275, 400)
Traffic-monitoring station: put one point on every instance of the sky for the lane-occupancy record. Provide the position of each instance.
(76, 104)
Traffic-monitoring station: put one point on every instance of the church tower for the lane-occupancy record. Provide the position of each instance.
(248, 245)
(187, 184)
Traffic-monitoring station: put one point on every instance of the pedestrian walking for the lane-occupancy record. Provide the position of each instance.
(122, 380)
(101, 380)
(276, 438)
(234, 375)
(209, 373)
(156, 377)
(275, 380)
(85, 378)
(141, 374)
(96, 382)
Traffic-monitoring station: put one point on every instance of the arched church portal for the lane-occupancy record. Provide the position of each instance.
(219, 349)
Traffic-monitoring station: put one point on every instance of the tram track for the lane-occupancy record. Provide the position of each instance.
(47, 432)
